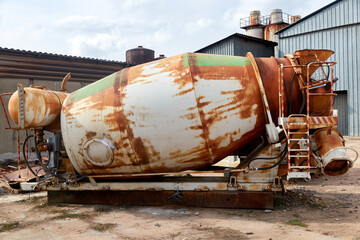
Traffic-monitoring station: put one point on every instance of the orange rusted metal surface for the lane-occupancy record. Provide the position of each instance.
(271, 29)
(179, 113)
(42, 108)
(218, 199)
(335, 162)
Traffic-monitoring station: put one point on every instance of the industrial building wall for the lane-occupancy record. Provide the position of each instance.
(8, 138)
(242, 46)
(336, 27)
(225, 47)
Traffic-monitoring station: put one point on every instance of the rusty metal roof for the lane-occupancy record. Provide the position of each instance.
(21, 64)
(28, 53)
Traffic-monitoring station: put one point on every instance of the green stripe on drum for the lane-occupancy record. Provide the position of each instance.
(200, 60)
(98, 86)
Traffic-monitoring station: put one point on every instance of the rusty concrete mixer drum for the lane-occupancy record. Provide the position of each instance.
(143, 126)
(183, 112)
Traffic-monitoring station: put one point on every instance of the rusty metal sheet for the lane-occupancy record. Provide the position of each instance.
(24, 175)
(218, 199)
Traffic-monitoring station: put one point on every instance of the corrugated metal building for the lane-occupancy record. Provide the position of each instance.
(336, 27)
(45, 69)
(238, 45)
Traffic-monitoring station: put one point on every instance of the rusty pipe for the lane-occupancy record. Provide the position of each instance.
(64, 82)
(335, 159)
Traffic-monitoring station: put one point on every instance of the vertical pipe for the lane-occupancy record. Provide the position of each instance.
(27, 152)
(18, 148)
(308, 116)
(2, 103)
(332, 91)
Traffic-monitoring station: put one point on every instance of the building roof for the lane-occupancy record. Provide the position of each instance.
(239, 35)
(21, 64)
(308, 16)
(55, 56)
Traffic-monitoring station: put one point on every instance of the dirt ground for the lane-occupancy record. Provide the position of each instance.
(323, 208)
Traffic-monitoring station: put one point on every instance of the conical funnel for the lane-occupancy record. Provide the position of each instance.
(310, 55)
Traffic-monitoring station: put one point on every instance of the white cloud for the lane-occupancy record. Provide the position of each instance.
(100, 43)
(84, 23)
(199, 24)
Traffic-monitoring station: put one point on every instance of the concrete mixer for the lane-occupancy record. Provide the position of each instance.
(194, 129)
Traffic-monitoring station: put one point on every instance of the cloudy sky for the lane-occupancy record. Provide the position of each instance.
(107, 28)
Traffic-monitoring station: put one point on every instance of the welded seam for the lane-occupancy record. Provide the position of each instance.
(119, 77)
(197, 106)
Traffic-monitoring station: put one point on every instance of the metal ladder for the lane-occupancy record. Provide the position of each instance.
(298, 139)
(297, 126)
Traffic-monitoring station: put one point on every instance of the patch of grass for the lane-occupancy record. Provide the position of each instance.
(42, 205)
(64, 214)
(58, 211)
(34, 199)
(9, 226)
(103, 227)
(102, 209)
(173, 235)
(201, 228)
(317, 205)
(296, 223)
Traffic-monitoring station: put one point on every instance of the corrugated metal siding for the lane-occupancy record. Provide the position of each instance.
(343, 40)
(340, 103)
(222, 48)
(342, 13)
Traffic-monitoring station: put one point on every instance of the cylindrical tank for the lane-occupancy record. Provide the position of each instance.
(271, 29)
(295, 18)
(178, 113)
(276, 16)
(139, 55)
(41, 108)
(255, 17)
(257, 32)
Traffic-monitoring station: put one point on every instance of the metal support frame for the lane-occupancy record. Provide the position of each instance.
(297, 126)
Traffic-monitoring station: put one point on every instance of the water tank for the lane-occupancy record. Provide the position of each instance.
(257, 32)
(276, 16)
(254, 17)
(139, 55)
(295, 18)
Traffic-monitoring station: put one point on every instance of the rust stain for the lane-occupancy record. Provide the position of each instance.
(90, 134)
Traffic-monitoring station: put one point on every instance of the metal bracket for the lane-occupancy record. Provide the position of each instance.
(21, 115)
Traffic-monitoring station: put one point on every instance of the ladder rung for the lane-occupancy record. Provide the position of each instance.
(298, 132)
(299, 139)
(299, 150)
(299, 167)
(302, 156)
(322, 94)
(298, 175)
(302, 124)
